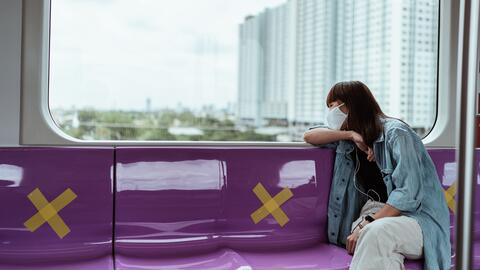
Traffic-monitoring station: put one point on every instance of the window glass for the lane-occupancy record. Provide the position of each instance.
(229, 70)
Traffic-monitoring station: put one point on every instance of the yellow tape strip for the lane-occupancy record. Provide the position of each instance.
(271, 205)
(48, 212)
(450, 196)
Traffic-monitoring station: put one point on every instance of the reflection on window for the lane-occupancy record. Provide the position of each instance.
(259, 70)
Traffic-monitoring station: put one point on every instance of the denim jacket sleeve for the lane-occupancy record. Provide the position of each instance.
(407, 194)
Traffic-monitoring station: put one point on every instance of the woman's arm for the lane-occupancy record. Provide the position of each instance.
(325, 135)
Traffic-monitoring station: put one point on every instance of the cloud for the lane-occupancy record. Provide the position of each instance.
(115, 54)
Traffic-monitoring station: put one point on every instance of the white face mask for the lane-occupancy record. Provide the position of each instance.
(335, 117)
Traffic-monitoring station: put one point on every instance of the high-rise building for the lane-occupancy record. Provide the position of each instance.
(419, 61)
(314, 58)
(392, 47)
(250, 69)
(291, 55)
(263, 67)
(364, 45)
(148, 105)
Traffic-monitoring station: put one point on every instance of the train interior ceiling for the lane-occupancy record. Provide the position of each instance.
(133, 138)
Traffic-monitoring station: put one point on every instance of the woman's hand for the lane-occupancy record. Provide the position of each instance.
(352, 240)
(370, 155)
(358, 140)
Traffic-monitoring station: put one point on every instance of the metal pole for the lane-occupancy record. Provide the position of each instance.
(466, 110)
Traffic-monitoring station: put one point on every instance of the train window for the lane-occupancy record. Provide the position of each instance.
(228, 70)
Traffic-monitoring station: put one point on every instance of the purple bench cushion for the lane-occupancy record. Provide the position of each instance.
(323, 256)
(221, 259)
(306, 172)
(101, 263)
(167, 201)
(87, 172)
(188, 200)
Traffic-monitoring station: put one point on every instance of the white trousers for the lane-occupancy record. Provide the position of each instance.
(384, 244)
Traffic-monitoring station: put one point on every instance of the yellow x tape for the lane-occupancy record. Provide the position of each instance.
(271, 205)
(450, 196)
(48, 212)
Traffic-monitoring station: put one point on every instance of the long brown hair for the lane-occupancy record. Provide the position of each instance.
(363, 110)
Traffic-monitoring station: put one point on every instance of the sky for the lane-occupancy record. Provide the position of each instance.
(114, 54)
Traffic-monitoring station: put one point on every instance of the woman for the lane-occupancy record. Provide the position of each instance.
(386, 202)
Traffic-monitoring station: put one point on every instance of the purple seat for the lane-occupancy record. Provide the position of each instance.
(104, 262)
(220, 259)
(87, 172)
(176, 208)
(189, 208)
(322, 256)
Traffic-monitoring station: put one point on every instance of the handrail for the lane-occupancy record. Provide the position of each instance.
(465, 154)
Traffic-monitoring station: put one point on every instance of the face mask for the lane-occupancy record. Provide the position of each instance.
(335, 117)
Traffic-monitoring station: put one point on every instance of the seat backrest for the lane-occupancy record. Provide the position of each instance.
(183, 200)
(81, 230)
(169, 201)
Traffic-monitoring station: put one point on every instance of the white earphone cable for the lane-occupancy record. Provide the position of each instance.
(357, 168)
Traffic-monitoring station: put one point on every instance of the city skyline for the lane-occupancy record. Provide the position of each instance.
(273, 66)
(389, 45)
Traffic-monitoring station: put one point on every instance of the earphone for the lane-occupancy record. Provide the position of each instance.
(357, 168)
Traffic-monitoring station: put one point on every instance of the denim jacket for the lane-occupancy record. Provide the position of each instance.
(412, 185)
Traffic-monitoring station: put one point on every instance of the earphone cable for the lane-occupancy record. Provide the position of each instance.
(357, 168)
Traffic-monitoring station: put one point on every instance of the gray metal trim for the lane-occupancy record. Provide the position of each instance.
(466, 112)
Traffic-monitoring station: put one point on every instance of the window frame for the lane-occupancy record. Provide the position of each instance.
(38, 126)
